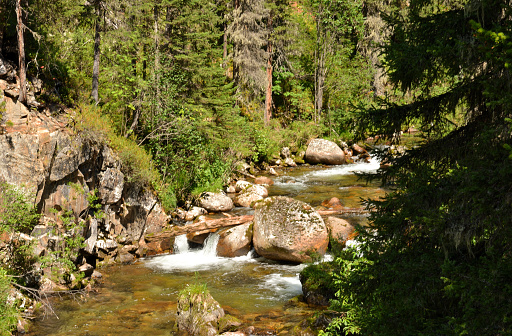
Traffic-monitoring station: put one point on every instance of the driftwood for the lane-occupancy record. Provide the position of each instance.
(205, 226)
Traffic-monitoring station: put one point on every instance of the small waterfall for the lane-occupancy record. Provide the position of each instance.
(181, 244)
(210, 245)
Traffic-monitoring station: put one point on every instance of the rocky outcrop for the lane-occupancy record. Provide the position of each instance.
(324, 152)
(215, 202)
(235, 241)
(63, 172)
(198, 313)
(289, 230)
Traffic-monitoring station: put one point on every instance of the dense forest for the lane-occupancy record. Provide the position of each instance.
(177, 77)
(184, 89)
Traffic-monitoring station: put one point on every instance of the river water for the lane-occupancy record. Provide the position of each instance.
(140, 299)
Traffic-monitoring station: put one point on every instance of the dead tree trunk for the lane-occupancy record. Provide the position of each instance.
(21, 53)
(96, 63)
(268, 98)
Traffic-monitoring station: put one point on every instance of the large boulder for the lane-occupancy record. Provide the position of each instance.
(324, 152)
(235, 241)
(289, 230)
(215, 202)
(251, 194)
(198, 312)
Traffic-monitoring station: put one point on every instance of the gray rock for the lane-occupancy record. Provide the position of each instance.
(215, 202)
(289, 230)
(198, 313)
(285, 152)
(111, 186)
(235, 241)
(251, 194)
(241, 185)
(324, 152)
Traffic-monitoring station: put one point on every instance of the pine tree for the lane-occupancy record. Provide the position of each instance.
(437, 249)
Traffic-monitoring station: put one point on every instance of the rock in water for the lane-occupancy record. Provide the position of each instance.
(215, 202)
(235, 241)
(324, 152)
(339, 229)
(251, 194)
(198, 313)
(289, 230)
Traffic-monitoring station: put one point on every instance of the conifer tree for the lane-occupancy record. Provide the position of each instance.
(436, 254)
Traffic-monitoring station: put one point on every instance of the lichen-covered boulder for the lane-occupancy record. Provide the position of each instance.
(251, 194)
(235, 241)
(241, 185)
(215, 202)
(198, 313)
(324, 152)
(289, 230)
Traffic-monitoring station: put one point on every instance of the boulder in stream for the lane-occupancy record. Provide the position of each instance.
(235, 241)
(251, 194)
(324, 152)
(215, 202)
(198, 312)
(288, 230)
(339, 229)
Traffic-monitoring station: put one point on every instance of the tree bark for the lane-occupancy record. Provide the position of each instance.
(156, 70)
(200, 226)
(96, 63)
(21, 54)
(3, 25)
(225, 45)
(268, 98)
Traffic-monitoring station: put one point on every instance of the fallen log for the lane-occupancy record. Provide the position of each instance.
(204, 225)
(209, 225)
(344, 211)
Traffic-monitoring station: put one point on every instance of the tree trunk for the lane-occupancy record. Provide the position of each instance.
(21, 54)
(156, 70)
(3, 23)
(96, 64)
(268, 98)
(225, 45)
(320, 74)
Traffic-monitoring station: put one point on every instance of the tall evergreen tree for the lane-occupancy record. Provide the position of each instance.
(436, 255)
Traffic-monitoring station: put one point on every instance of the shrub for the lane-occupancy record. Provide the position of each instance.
(9, 314)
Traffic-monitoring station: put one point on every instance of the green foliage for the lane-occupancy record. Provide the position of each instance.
(17, 216)
(66, 242)
(136, 163)
(9, 316)
(434, 259)
(16, 213)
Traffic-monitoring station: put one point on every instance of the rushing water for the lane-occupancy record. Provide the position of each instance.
(140, 299)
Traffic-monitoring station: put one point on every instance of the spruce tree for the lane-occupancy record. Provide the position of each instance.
(436, 254)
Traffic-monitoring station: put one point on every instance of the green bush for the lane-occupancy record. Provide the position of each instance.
(9, 314)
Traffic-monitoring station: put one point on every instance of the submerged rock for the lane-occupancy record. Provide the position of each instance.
(289, 230)
(324, 152)
(198, 313)
(215, 202)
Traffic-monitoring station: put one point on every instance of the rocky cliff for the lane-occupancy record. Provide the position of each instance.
(64, 173)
